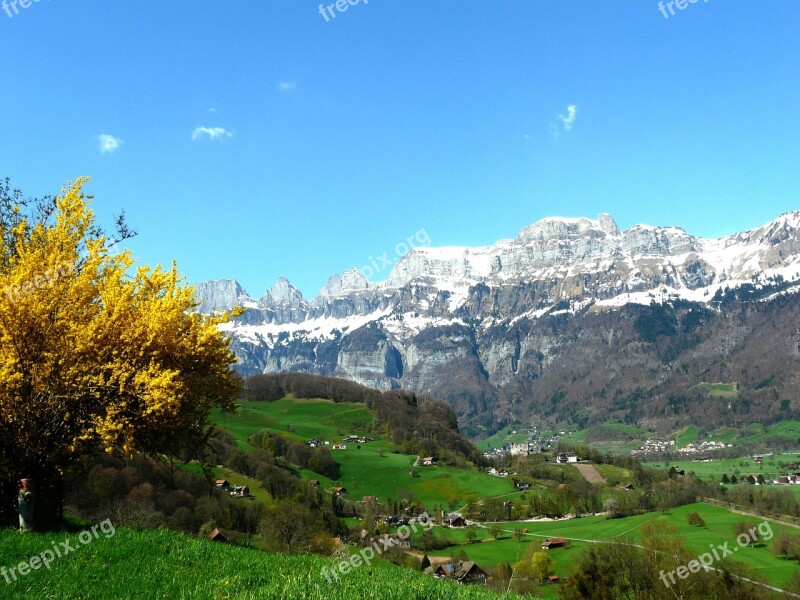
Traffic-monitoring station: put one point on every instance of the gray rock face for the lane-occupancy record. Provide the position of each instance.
(223, 294)
(474, 324)
(351, 280)
(283, 293)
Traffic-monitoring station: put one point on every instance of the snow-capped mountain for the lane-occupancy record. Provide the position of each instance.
(482, 311)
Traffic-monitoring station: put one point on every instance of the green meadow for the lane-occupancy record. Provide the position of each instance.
(372, 469)
(296, 418)
(718, 530)
(162, 564)
(716, 468)
(718, 390)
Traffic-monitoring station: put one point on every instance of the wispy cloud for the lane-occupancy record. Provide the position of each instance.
(286, 86)
(108, 143)
(567, 121)
(212, 133)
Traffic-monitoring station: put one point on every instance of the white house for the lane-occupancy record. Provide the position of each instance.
(567, 457)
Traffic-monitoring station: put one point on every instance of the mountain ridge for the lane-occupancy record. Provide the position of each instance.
(481, 312)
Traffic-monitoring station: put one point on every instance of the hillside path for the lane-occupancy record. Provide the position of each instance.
(589, 473)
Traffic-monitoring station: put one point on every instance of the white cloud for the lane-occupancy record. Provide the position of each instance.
(213, 133)
(569, 119)
(286, 86)
(108, 143)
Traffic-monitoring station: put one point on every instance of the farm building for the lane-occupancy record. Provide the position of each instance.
(240, 491)
(454, 520)
(567, 457)
(461, 571)
(218, 536)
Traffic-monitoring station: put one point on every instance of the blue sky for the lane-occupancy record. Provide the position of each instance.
(253, 139)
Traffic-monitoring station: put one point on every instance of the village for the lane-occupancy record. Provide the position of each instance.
(537, 443)
(651, 447)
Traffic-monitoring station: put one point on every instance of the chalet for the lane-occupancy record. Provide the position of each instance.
(314, 443)
(339, 491)
(783, 480)
(370, 500)
(240, 491)
(567, 457)
(351, 438)
(222, 484)
(218, 536)
(502, 473)
(521, 485)
(461, 571)
(454, 520)
(339, 447)
(429, 461)
(314, 483)
(555, 542)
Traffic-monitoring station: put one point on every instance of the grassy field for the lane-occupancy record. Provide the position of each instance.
(718, 530)
(502, 437)
(718, 390)
(370, 469)
(631, 438)
(714, 470)
(617, 438)
(160, 564)
(615, 475)
(576, 438)
(257, 490)
(296, 419)
(685, 436)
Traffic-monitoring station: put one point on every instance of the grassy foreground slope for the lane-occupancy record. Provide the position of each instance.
(159, 563)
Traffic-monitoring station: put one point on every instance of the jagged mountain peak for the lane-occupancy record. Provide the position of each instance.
(565, 228)
(282, 293)
(352, 280)
(222, 294)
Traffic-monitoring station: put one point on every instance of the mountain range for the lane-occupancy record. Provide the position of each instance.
(573, 321)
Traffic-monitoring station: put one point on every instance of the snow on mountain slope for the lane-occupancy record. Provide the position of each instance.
(625, 266)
